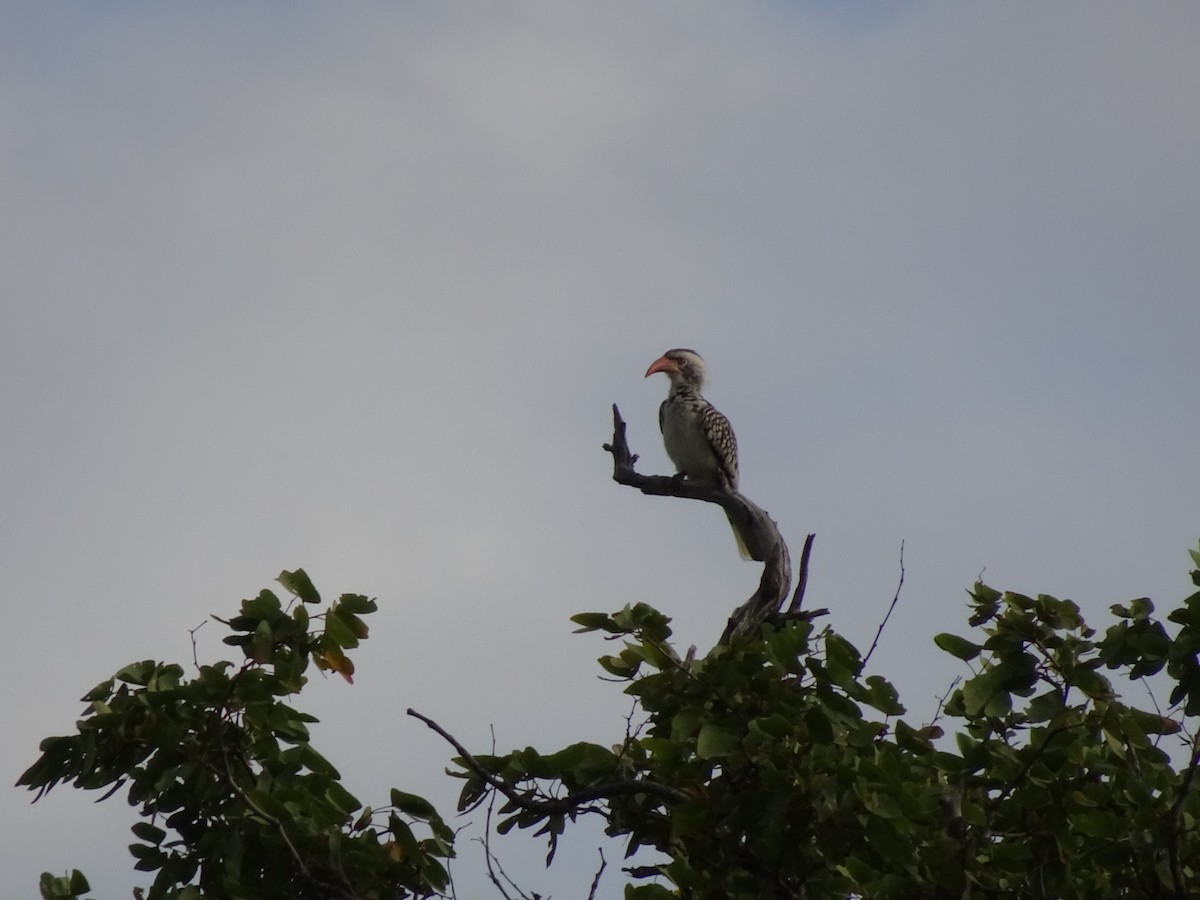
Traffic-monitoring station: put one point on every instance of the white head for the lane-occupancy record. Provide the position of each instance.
(682, 367)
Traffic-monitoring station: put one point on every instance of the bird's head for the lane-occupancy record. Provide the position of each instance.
(682, 367)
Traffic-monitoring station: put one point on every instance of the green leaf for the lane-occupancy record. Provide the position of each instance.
(339, 630)
(138, 673)
(1045, 707)
(689, 817)
(883, 696)
(652, 654)
(262, 643)
(102, 691)
(859, 872)
(986, 600)
(644, 618)
(263, 802)
(77, 884)
(957, 646)
(620, 666)
(649, 892)
(820, 728)
(584, 762)
(413, 805)
(594, 621)
(977, 691)
(842, 658)
(1092, 683)
(714, 741)
(63, 887)
(151, 834)
(299, 584)
(265, 606)
(358, 604)
(341, 798)
(1097, 823)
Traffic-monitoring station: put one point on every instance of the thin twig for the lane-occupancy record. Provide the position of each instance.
(599, 872)
(937, 713)
(486, 840)
(192, 635)
(802, 575)
(453, 892)
(492, 860)
(1158, 709)
(892, 606)
(631, 731)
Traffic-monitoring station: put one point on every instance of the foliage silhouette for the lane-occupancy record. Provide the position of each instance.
(775, 766)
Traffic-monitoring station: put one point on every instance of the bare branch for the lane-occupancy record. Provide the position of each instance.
(192, 635)
(599, 872)
(761, 534)
(802, 575)
(937, 713)
(891, 607)
(772, 588)
(491, 861)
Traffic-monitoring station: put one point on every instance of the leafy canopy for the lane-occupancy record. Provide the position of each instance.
(236, 802)
(774, 766)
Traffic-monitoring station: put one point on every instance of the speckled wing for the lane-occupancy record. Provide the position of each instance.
(721, 438)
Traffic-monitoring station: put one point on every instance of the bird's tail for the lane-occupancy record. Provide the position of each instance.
(744, 541)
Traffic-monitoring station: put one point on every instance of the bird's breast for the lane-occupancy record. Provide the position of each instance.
(686, 443)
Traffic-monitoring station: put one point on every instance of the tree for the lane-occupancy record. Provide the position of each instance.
(236, 801)
(773, 766)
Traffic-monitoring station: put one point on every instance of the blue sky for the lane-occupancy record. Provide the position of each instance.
(353, 289)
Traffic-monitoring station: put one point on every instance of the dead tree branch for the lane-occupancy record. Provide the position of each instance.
(762, 535)
(801, 577)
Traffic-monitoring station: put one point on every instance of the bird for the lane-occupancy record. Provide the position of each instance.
(699, 440)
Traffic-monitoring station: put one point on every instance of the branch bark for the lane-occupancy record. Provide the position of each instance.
(801, 577)
(762, 535)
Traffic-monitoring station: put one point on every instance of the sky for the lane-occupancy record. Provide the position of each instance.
(353, 288)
